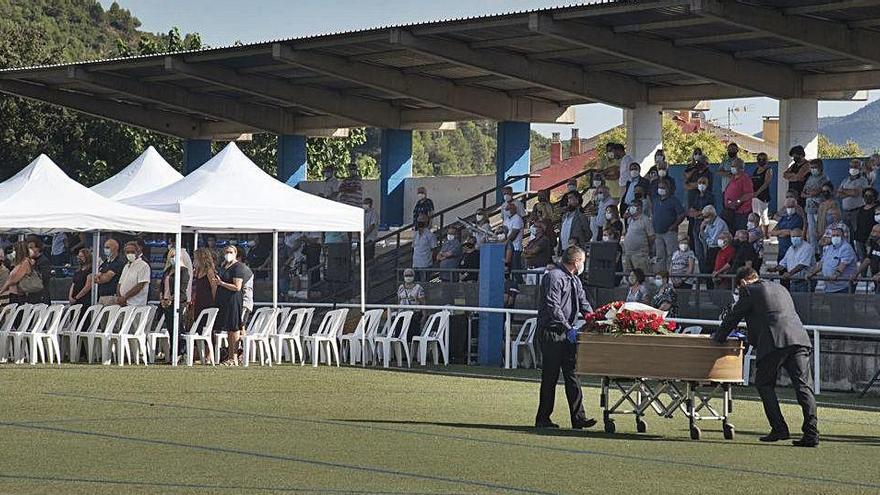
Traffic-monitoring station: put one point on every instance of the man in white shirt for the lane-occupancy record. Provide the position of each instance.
(603, 200)
(514, 224)
(134, 283)
(796, 263)
(507, 195)
(619, 153)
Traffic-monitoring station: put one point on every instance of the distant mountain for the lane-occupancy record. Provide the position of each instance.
(861, 126)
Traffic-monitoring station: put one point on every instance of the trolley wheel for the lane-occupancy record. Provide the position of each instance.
(609, 426)
(729, 432)
(695, 433)
(641, 427)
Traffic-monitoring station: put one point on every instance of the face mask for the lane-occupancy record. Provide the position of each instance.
(836, 240)
(661, 191)
(633, 173)
(701, 187)
(750, 225)
(722, 243)
(130, 257)
(420, 225)
(815, 172)
(698, 157)
(450, 237)
(796, 241)
(633, 280)
(409, 279)
(877, 218)
(683, 247)
(533, 231)
(12, 255)
(658, 282)
(632, 210)
(229, 257)
(600, 196)
(735, 297)
(661, 172)
(608, 216)
(508, 197)
(853, 172)
(366, 206)
(572, 188)
(826, 194)
(734, 170)
(610, 155)
(789, 211)
(581, 268)
(606, 238)
(658, 160)
(421, 195)
(597, 183)
(31, 252)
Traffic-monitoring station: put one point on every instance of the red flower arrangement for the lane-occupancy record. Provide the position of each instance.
(615, 318)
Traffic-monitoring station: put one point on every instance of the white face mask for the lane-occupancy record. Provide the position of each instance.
(632, 210)
(507, 197)
(662, 172)
(597, 183)
(421, 195)
(789, 211)
(130, 257)
(722, 243)
(750, 225)
(661, 191)
(877, 218)
(610, 155)
(734, 170)
(533, 231)
(600, 196)
(608, 216)
(701, 187)
(572, 187)
(854, 172)
(683, 247)
(367, 206)
(581, 268)
(836, 240)
(633, 173)
(107, 252)
(451, 237)
(606, 238)
(658, 282)
(815, 172)
(229, 257)
(409, 279)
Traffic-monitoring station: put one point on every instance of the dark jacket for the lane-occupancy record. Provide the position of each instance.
(43, 267)
(580, 229)
(771, 319)
(562, 299)
(643, 183)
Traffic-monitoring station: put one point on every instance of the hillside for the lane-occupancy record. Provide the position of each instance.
(861, 126)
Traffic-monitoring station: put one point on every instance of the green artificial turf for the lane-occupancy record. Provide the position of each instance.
(290, 429)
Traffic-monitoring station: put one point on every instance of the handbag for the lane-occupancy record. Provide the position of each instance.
(31, 283)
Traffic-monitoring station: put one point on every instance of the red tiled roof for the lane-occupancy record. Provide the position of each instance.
(555, 173)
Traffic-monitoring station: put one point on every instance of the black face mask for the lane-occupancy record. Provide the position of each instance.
(826, 194)
(638, 196)
(420, 225)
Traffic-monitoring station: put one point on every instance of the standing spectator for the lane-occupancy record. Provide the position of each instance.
(204, 288)
(166, 300)
(790, 220)
(43, 266)
(659, 172)
(796, 173)
(702, 197)
(134, 282)
(450, 254)
(424, 205)
(22, 266)
(865, 221)
(598, 211)
(762, 179)
(639, 239)
(424, 242)
(711, 230)
(247, 290)
(544, 210)
(637, 291)
(668, 215)
(797, 263)
(872, 260)
(515, 226)
(574, 224)
(470, 260)
(625, 161)
(813, 195)
(331, 184)
(81, 287)
(837, 265)
(738, 196)
(723, 261)
(697, 168)
(482, 221)
(59, 249)
(635, 181)
(756, 238)
(666, 298)
(850, 192)
(229, 282)
(832, 219)
(570, 188)
(729, 162)
(871, 167)
(109, 272)
(351, 189)
(539, 251)
(4, 276)
(684, 263)
(507, 196)
(745, 253)
(216, 252)
(338, 252)
(612, 222)
(371, 229)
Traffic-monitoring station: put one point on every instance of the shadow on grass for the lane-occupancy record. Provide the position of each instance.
(830, 438)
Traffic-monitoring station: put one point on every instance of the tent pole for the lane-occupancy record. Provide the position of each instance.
(178, 243)
(275, 269)
(195, 241)
(96, 241)
(363, 300)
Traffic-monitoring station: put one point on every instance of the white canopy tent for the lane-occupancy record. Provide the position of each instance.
(146, 173)
(230, 193)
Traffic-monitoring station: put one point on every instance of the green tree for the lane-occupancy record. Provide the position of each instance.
(827, 149)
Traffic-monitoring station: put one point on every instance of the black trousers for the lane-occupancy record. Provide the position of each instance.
(796, 361)
(560, 356)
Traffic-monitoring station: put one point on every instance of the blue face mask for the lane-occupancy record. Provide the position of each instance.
(796, 241)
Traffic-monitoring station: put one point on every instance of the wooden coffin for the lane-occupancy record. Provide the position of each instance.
(680, 357)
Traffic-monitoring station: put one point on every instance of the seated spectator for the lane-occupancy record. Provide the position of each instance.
(574, 225)
(665, 299)
(872, 259)
(482, 221)
(865, 220)
(134, 283)
(470, 260)
(684, 263)
(797, 263)
(698, 198)
(612, 220)
(814, 195)
(723, 261)
(639, 239)
(81, 288)
(409, 293)
(790, 220)
(756, 238)
(837, 265)
(539, 251)
(745, 254)
(637, 291)
(449, 254)
(710, 231)
(833, 220)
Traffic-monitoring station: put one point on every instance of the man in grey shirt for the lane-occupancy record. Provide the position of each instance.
(638, 240)
(423, 244)
(850, 191)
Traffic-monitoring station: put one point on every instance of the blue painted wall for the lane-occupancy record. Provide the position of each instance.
(395, 166)
(195, 153)
(491, 338)
(512, 155)
(292, 160)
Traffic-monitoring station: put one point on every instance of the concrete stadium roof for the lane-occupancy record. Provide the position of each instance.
(523, 66)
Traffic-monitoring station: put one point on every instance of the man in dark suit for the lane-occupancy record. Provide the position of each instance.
(779, 340)
(562, 300)
(574, 224)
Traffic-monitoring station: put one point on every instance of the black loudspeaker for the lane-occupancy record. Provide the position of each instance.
(600, 272)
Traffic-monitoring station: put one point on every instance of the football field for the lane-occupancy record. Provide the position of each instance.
(291, 429)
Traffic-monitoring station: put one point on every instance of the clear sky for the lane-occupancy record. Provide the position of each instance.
(223, 22)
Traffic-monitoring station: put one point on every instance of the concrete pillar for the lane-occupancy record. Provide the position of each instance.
(195, 153)
(798, 125)
(292, 165)
(490, 344)
(395, 166)
(512, 155)
(644, 133)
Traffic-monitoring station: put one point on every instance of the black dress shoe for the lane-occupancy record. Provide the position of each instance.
(775, 436)
(584, 423)
(806, 442)
(546, 424)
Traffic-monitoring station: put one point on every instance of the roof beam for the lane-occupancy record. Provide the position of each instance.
(511, 40)
(612, 8)
(369, 112)
(722, 68)
(837, 86)
(829, 36)
(483, 103)
(771, 52)
(829, 6)
(565, 52)
(605, 88)
(864, 23)
(667, 24)
(255, 116)
(718, 38)
(842, 81)
(166, 123)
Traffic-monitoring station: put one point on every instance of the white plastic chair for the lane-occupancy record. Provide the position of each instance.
(41, 338)
(395, 338)
(8, 315)
(692, 331)
(134, 333)
(113, 333)
(200, 333)
(290, 332)
(31, 316)
(87, 322)
(747, 364)
(434, 337)
(257, 336)
(158, 334)
(525, 338)
(104, 325)
(326, 336)
(68, 326)
(350, 343)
